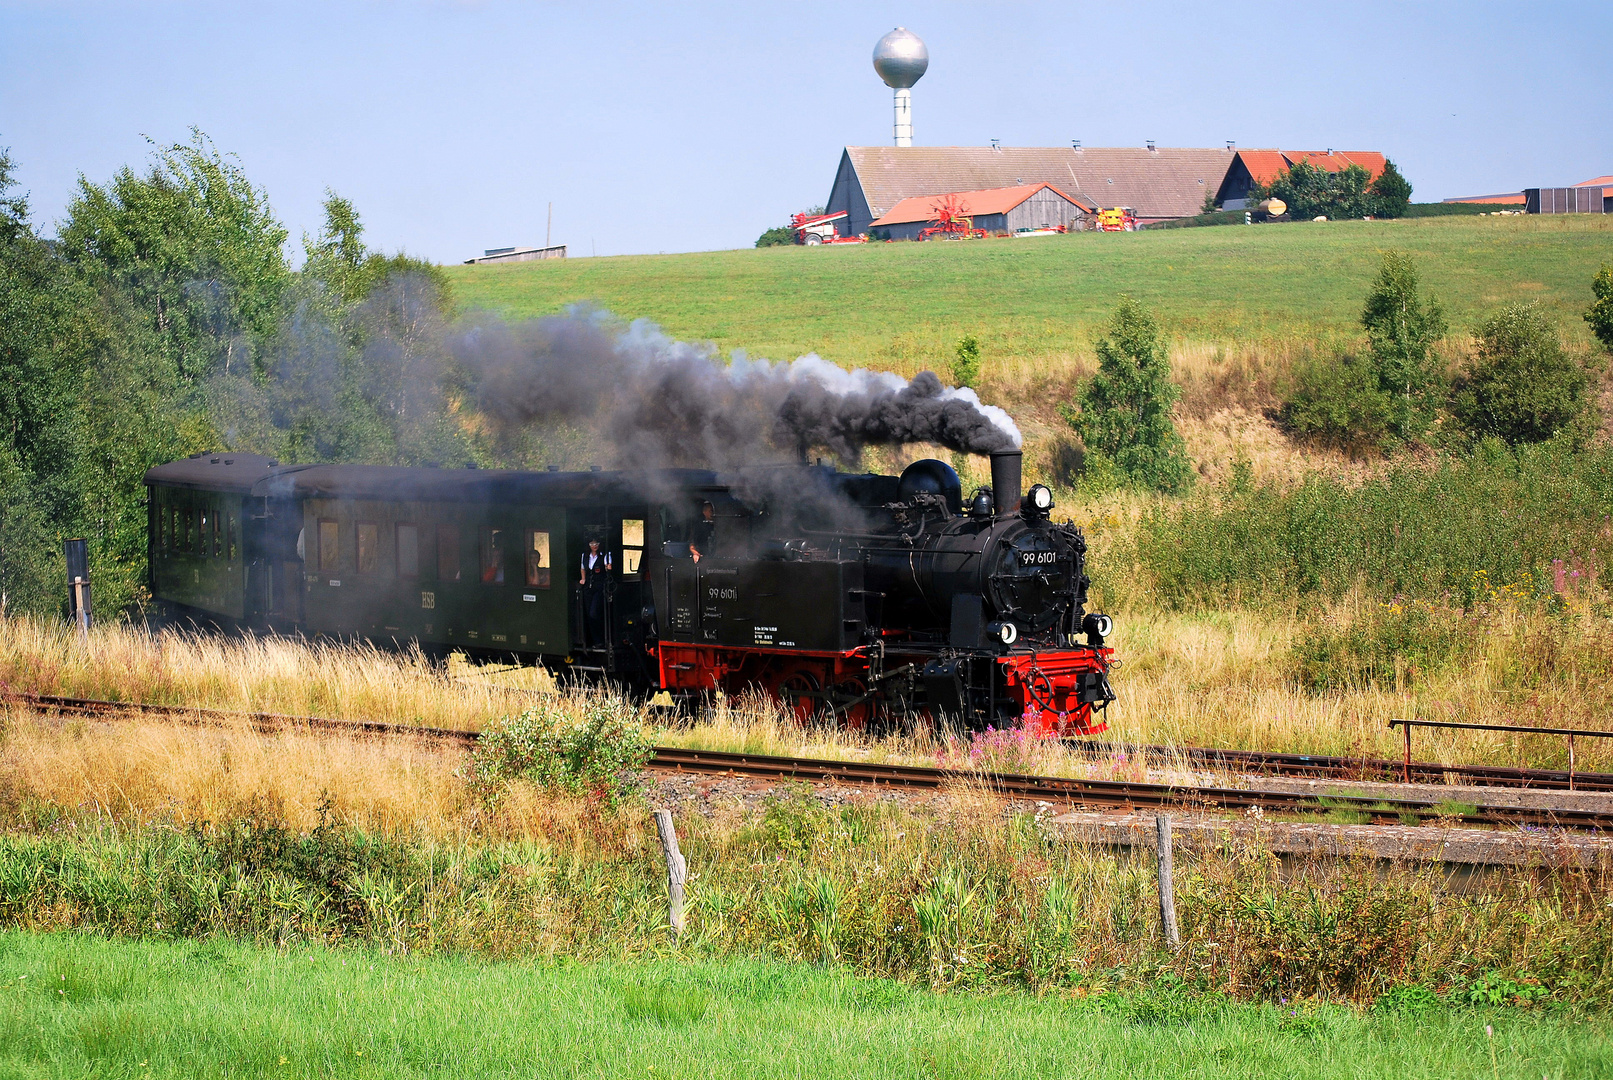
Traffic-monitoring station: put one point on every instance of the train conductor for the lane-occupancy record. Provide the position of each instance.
(595, 579)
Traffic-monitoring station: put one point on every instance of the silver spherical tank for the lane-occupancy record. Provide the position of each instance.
(901, 59)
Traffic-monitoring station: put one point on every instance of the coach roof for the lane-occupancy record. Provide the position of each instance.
(252, 474)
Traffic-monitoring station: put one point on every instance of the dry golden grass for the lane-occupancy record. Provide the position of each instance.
(1204, 679)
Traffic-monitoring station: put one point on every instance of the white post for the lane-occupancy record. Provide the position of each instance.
(1167, 888)
(904, 117)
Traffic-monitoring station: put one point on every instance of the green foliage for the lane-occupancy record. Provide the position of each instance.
(777, 236)
(597, 752)
(966, 362)
(1473, 529)
(196, 248)
(1311, 191)
(1402, 326)
(1389, 195)
(666, 1004)
(1600, 314)
(1391, 647)
(1125, 411)
(1336, 401)
(1520, 385)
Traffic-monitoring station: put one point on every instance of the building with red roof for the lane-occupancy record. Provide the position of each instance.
(996, 210)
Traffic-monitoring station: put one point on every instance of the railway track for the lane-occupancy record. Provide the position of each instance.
(1071, 790)
(1317, 766)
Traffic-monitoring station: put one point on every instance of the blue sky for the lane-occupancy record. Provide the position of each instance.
(683, 127)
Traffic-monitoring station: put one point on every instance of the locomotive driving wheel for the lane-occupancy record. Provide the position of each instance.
(858, 709)
(799, 690)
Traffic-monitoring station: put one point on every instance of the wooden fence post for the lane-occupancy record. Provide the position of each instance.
(677, 870)
(1167, 890)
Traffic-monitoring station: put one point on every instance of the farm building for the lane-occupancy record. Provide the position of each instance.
(1249, 168)
(1159, 184)
(996, 210)
(1593, 196)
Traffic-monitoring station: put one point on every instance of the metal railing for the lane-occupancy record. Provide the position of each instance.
(1570, 732)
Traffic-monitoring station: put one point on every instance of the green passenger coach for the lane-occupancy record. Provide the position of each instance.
(482, 560)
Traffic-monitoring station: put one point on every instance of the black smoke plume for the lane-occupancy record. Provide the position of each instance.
(656, 401)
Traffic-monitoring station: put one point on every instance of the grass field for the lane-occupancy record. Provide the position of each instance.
(81, 1006)
(902, 306)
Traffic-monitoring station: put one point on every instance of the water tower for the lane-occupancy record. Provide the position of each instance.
(901, 59)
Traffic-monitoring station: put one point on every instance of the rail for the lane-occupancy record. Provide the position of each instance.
(1407, 725)
(1051, 788)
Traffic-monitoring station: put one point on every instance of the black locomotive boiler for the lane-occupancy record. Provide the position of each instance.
(852, 598)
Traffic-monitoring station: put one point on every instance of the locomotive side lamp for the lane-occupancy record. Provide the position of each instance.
(1097, 627)
(1005, 632)
(1040, 498)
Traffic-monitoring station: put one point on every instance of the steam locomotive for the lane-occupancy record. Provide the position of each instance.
(854, 599)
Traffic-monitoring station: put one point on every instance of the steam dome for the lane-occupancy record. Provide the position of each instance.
(901, 58)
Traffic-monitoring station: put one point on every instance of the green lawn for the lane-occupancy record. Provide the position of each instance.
(80, 1006)
(902, 305)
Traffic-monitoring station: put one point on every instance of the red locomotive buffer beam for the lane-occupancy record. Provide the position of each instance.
(1052, 693)
(1056, 691)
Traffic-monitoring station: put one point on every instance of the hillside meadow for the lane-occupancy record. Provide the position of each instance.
(903, 305)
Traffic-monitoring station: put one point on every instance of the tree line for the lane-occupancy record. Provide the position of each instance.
(164, 319)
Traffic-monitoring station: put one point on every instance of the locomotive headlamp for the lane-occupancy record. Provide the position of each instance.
(1005, 632)
(1041, 498)
(1097, 627)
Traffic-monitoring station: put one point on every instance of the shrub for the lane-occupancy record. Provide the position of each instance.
(1393, 647)
(595, 750)
(1520, 386)
(1402, 326)
(1389, 196)
(1600, 315)
(776, 237)
(966, 362)
(1336, 401)
(1125, 412)
(1311, 192)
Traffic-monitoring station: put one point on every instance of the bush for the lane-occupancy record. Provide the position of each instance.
(1392, 648)
(966, 362)
(1520, 386)
(1311, 192)
(595, 752)
(1600, 315)
(1336, 401)
(1389, 196)
(1402, 326)
(777, 237)
(1125, 412)
(1471, 529)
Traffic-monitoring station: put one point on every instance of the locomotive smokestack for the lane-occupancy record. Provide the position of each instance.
(1005, 493)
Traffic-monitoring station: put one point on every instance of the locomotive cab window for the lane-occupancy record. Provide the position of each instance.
(367, 537)
(632, 546)
(330, 546)
(447, 553)
(537, 558)
(408, 552)
(492, 555)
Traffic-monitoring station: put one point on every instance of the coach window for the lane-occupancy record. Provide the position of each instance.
(368, 535)
(229, 546)
(447, 552)
(537, 559)
(330, 546)
(205, 523)
(632, 546)
(408, 552)
(218, 533)
(162, 528)
(492, 555)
